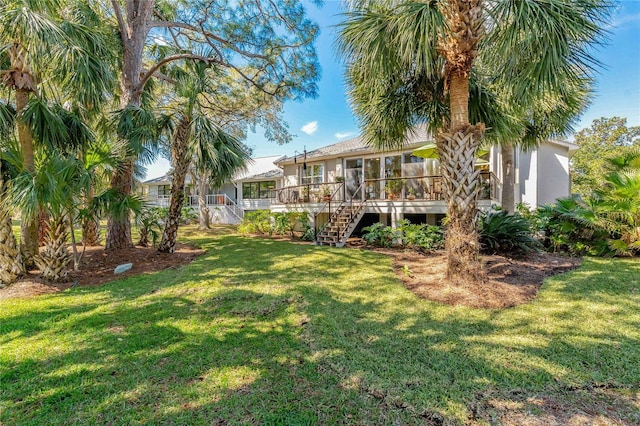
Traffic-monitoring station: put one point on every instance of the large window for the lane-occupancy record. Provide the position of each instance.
(313, 174)
(164, 191)
(257, 190)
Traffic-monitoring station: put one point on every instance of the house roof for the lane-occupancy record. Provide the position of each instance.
(571, 147)
(417, 136)
(257, 168)
(261, 168)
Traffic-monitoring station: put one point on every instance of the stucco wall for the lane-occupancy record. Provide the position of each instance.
(526, 177)
(553, 173)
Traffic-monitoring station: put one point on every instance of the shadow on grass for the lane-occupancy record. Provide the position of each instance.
(257, 331)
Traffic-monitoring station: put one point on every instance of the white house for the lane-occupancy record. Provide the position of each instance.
(347, 185)
(252, 189)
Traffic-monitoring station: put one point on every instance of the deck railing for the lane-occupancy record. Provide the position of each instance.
(311, 193)
(427, 188)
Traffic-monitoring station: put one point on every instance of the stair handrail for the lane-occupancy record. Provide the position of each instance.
(321, 210)
(237, 211)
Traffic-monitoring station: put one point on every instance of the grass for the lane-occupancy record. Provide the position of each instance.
(259, 331)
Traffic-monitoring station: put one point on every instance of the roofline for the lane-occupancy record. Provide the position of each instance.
(571, 147)
(365, 150)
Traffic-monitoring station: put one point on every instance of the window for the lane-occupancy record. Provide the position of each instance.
(164, 191)
(313, 174)
(256, 190)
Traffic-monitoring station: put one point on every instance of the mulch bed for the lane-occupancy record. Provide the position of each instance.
(510, 282)
(97, 268)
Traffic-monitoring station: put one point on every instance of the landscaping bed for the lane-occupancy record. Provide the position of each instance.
(97, 268)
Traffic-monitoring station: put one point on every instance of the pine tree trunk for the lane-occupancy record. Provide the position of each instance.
(204, 217)
(181, 160)
(28, 227)
(55, 256)
(133, 25)
(119, 227)
(508, 178)
(11, 265)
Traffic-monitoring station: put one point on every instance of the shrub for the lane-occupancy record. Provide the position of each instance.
(506, 234)
(256, 222)
(380, 235)
(421, 236)
(571, 226)
(288, 222)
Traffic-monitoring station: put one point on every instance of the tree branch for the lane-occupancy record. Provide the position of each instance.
(208, 34)
(124, 29)
(168, 59)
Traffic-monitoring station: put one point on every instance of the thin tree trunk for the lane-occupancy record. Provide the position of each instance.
(204, 217)
(181, 160)
(77, 258)
(90, 224)
(28, 227)
(508, 178)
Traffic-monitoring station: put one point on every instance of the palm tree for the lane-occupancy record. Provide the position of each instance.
(199, 142)
(63, 43)
(403, 56)
(53, 186)
(11, 264)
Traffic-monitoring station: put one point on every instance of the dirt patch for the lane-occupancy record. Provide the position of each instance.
(575, 407)
(98, 266)
(510, 282)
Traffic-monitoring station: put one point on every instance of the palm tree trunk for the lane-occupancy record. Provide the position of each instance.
(181, 160)
(90, 232)
(28, 227)
(90, 224)
(11, 265)
(55, 256)
(458, 145)
(203, 217)
(461, 190)
(43, 226)
(508, 178)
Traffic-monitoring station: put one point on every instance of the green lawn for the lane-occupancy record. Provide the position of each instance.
(258, 331)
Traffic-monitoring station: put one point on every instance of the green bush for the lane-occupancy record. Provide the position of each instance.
(506, 234)
(288, 222)
(572, 226)
(380, 235)
(256, 222)
(421, 236)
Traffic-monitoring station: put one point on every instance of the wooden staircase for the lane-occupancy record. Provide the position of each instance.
(341, 224)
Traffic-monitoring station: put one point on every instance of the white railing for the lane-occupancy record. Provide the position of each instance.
(219, 200)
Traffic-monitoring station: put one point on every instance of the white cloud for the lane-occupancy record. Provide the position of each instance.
(342, 135)
(621, 21)
(310, 128)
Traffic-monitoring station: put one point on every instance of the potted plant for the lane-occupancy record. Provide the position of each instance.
(326, 193)
(305, 194)
(393, 188)
(412, 193)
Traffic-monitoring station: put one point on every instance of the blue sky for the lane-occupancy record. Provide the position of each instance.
(328, 118)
